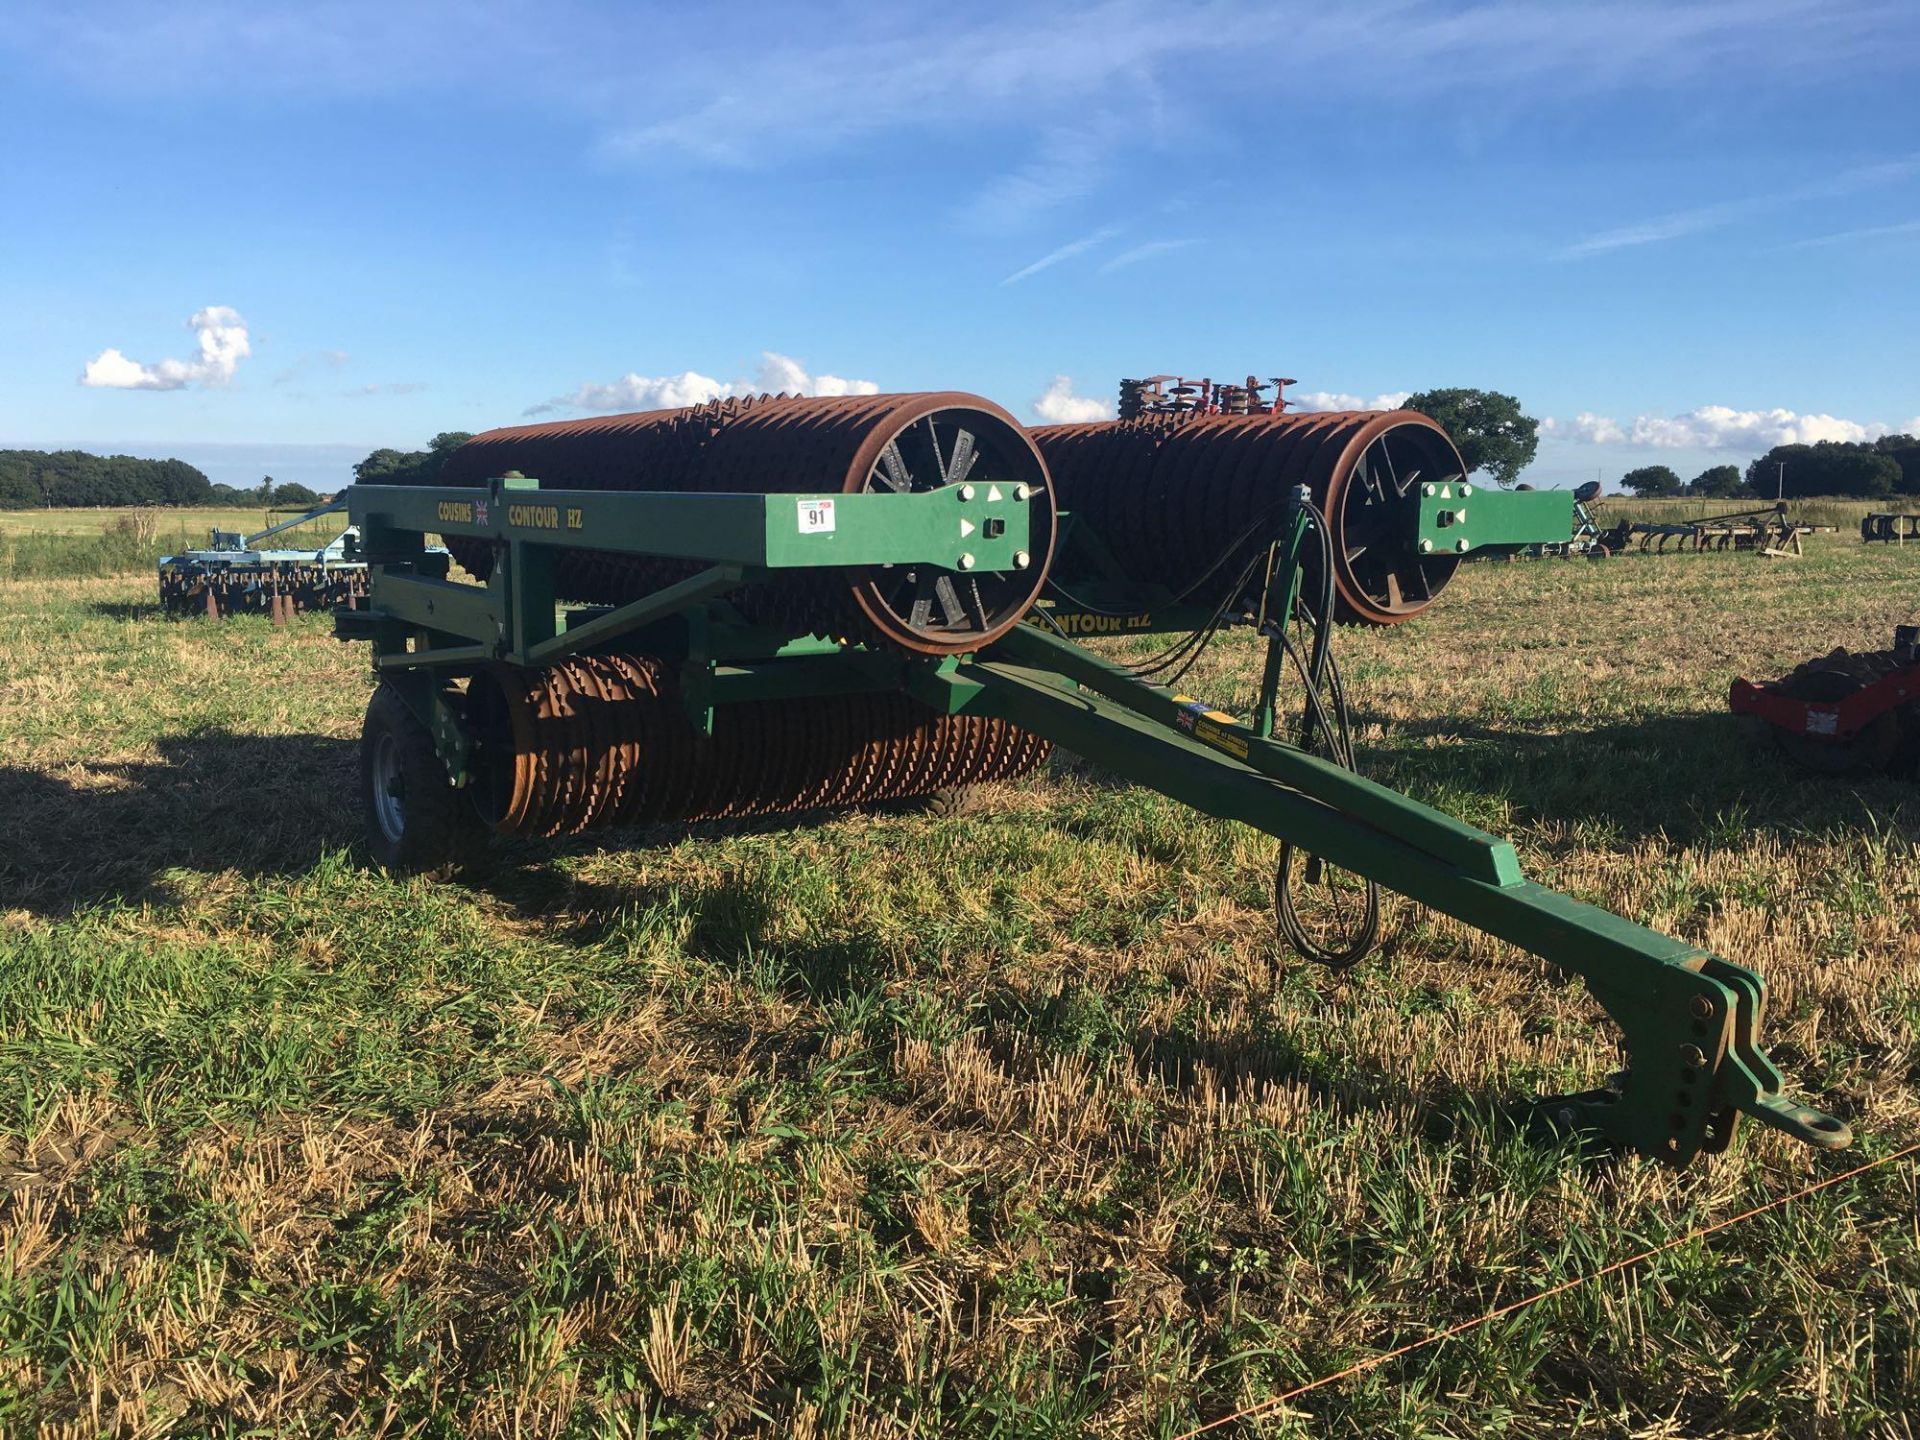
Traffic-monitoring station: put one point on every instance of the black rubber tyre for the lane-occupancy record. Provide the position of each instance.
(415, 822)
(954, 800)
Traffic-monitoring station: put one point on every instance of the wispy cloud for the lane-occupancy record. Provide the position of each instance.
(1144, 252)
(1069, 164)
(1665, 227)
(1681, 223)
(1014, 64)
(1869, 232)
(1064, 252)
(307, 364)
(1013, 79)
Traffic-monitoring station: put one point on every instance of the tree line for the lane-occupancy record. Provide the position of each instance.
(44, 479)
(1869, 470)
(32, 479)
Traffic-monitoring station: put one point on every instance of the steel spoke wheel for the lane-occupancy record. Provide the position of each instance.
(1379, 574)
(944, 608)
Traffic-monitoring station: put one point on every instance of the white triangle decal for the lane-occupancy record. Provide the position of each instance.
(993, 492)
(966, 528)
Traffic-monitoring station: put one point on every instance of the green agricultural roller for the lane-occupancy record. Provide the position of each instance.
(768, 606)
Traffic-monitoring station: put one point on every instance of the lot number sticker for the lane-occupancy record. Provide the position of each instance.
(816, 517)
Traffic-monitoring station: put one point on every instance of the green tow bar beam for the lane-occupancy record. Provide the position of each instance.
(1691, 1020)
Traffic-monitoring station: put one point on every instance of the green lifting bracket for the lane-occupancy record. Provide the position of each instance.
(1455, 518)
(1690, 1019)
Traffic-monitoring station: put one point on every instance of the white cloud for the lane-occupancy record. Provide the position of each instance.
(223, 345)
(1718, 427)
(1586, 427)
(1058, 405)
(1319, 400)
(1064, 252)
(1144, 252)
(777, 374)
(634, 391)
(781, 373)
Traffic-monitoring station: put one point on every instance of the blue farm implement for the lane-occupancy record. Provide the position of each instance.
(233, 575)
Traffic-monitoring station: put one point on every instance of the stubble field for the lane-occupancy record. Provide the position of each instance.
(1008, 1124)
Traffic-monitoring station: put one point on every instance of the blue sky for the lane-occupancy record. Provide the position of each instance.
(273, 236)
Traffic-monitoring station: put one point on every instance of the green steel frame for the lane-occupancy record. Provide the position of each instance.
(1691, 1020)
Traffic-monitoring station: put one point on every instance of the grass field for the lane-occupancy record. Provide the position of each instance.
(95, 520)
(1011, 1124)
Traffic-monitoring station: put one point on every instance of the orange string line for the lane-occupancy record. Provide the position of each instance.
(1464, 1326)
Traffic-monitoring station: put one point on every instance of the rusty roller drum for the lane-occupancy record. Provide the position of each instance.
(600, 741)
(799, 445)
(1184, 501)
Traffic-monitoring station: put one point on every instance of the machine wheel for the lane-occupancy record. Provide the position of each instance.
(415, 822)
(953, 800)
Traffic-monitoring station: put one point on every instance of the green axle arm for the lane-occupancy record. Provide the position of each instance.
(1691, 1020)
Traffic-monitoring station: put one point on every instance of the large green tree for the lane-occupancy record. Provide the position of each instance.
(292, 492)
(1495, 437)
(1652, 480)
(1721, 482)
(1832, 467)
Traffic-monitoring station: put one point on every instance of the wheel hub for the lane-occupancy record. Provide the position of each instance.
(389, 789)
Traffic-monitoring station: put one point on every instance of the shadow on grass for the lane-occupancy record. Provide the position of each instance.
(257, 804)
(126, 609)
(723, 922)
(1705, 777)
(1244, 1064)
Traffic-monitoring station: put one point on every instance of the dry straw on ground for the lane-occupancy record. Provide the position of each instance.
(1011, 1124)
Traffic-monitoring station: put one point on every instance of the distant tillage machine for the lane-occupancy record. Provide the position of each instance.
(767, 606)
(233, 575)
